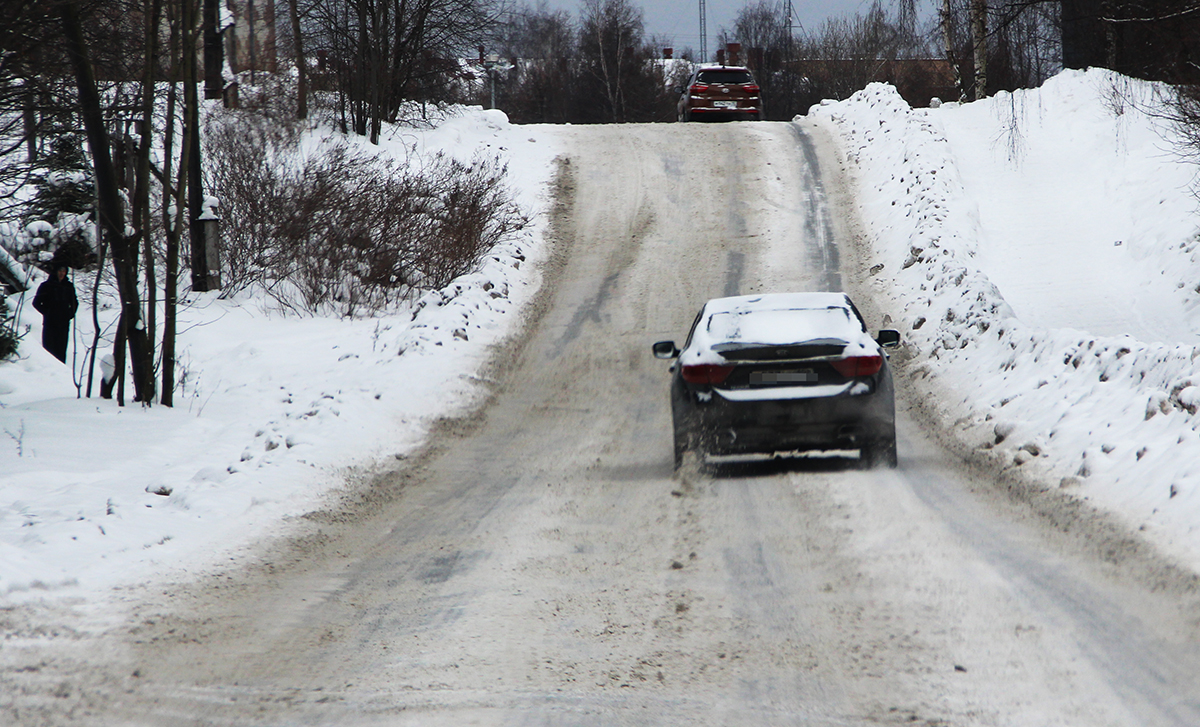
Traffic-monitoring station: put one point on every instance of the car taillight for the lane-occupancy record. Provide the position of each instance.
(858, 366)
(750, 88)
(698, 88)
(709, 374)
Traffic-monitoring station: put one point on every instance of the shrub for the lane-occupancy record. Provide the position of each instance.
(9, 339)
(327, 226)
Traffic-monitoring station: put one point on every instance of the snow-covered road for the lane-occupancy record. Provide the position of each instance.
(539, 564)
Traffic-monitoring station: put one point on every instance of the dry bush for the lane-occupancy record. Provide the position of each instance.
(326, 227)
(1182, 109)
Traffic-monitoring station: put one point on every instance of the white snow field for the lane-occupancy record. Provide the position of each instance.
(1037, 250)
(273, 411)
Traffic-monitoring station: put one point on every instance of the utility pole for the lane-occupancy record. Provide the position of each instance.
(703, 34)
(790, 15)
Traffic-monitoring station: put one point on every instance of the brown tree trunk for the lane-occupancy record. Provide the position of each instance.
(118, 378)
(109, 211)
(301, 63)
(29, 117)
(214, 51)
(979, 41)
(172, 219)
(141, 195)
(191, 138)
(358, 97)
(95, 320)
(948, 42)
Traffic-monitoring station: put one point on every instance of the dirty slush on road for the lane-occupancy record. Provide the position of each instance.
(540, 563)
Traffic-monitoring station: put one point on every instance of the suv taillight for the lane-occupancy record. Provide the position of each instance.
(707, 374)
(858, 366)
(750, 88)
(698, 88)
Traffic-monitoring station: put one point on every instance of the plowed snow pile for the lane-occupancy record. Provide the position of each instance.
(1039, 250)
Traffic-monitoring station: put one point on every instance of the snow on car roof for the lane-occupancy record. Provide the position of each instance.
(777, 301)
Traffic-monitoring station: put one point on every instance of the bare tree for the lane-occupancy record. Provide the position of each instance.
(112, 217)
(301, 60)
(382, 50)
(34, 97)
(846, 53)
(979, 45)
(543, 47)
(764, 33)
(996, 45)
(618, 82)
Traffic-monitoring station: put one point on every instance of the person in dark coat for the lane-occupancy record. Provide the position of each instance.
(56, 301)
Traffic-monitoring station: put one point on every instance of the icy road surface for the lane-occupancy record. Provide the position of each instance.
(539, 564)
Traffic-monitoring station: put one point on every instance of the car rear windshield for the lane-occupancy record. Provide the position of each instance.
(725, 77)
(776, 327)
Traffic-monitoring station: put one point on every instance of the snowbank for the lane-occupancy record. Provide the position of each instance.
(271, 409)
(962, 206)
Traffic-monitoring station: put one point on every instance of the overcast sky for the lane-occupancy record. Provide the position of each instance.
(679, 20)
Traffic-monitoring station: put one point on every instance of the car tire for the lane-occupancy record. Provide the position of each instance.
(879, 453)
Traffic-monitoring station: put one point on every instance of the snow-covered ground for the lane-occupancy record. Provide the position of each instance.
(273, 410)
(1042, 272)
(1039, 253)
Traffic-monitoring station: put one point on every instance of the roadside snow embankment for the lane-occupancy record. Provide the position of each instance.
(271, 411)
(1105, 404)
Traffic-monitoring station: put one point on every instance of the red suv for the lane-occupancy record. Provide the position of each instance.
(720, 93)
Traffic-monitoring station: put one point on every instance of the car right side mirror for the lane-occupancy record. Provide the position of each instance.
(888, 338)
(665, 349)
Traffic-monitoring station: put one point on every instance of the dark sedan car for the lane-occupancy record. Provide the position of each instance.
(782, 373)
(720, 93)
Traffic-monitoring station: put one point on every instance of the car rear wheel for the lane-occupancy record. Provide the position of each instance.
(879, 453)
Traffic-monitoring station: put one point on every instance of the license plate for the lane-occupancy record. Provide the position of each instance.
(801, 376)
(725, 104)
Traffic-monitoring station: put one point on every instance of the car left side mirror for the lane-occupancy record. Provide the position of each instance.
(665, 349)
(888, 338)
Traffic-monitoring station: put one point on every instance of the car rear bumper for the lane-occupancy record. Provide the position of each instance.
(844, 421)
(724, 114)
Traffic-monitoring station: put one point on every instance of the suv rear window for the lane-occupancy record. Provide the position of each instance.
(724, 77)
